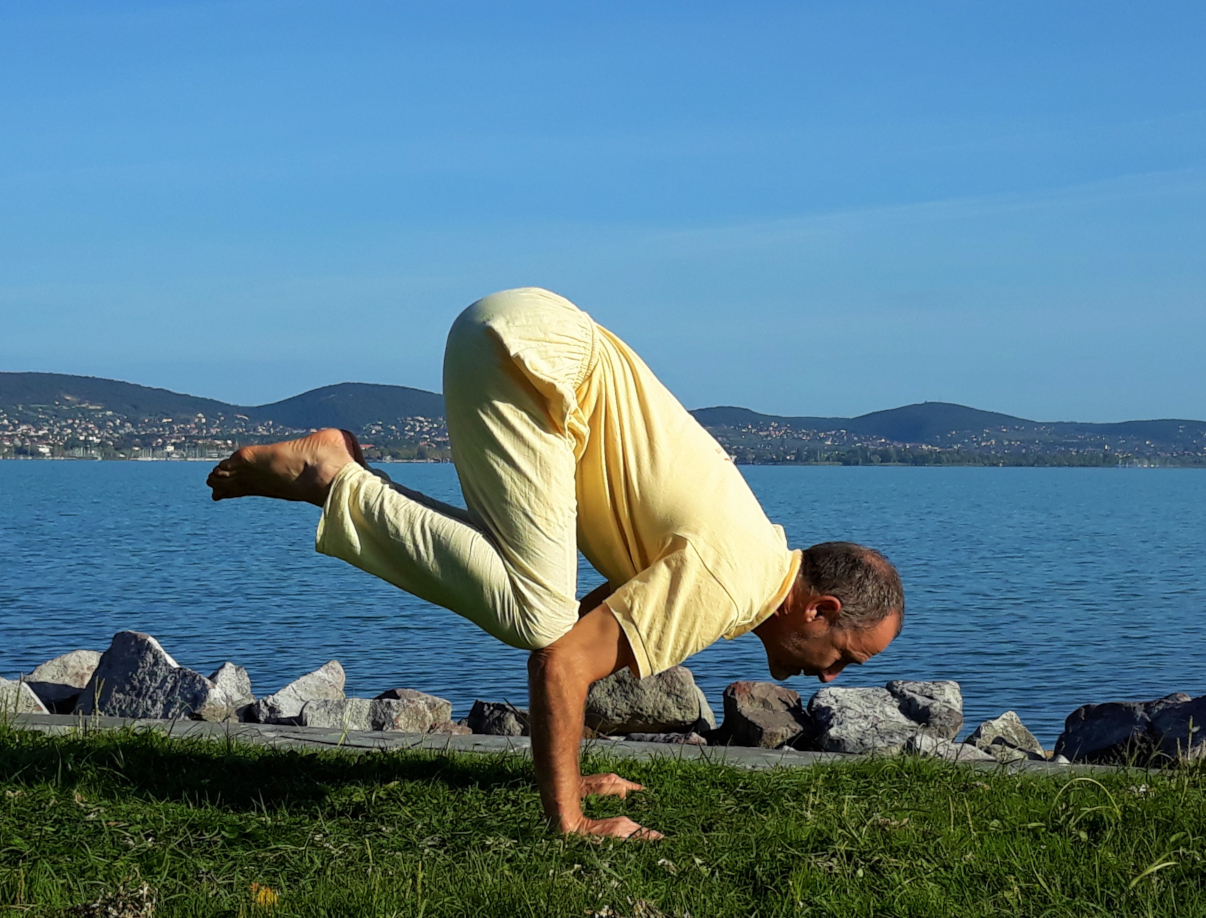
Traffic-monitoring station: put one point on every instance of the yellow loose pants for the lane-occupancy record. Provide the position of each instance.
(509, 563)
(563, 438)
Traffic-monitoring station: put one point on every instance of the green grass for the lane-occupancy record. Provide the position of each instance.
(416, 834)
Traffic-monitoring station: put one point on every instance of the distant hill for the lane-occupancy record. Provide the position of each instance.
(925, 422)
(933, 422)
(732, 416)
(355, 405)
(351, 405)
(908, 424)
(128, 399)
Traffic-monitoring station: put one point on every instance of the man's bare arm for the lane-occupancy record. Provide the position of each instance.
(594, 598)
(559, 677)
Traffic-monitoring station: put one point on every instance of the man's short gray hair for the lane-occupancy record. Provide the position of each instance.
(864, 580)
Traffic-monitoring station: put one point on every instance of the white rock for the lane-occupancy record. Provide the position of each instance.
(18, 698)
(58, 682)
(860, 720)
(939, 748)
(1006, 739)
(235, 682)
(324, 684)
(73, 669)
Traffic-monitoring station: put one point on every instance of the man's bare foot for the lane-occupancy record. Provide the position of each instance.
(293, 470)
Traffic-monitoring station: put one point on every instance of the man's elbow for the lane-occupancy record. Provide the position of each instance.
(547, 664)
(593, 649)
(555, 666)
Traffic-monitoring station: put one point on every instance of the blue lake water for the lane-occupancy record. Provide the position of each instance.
(1036, 589)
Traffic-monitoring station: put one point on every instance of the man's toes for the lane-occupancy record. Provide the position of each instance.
(353, 446)
(220, 481)
(229, 487)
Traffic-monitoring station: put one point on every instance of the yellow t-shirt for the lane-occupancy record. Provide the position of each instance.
(667, 518)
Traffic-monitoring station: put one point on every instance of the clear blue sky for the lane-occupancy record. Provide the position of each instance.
(804, 208)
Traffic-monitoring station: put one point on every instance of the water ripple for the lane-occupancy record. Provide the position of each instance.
(1037, 589)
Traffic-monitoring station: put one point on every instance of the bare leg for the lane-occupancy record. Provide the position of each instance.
(301, 469)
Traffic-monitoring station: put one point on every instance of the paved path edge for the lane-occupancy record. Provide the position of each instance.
(355, 741)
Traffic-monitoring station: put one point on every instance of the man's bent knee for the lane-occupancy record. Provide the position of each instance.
(537, 638)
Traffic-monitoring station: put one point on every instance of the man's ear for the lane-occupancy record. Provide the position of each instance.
(827, 607)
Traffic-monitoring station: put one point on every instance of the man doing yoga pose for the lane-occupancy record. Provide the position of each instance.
(563, 440)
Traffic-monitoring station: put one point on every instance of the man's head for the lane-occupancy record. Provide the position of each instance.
(846, 605)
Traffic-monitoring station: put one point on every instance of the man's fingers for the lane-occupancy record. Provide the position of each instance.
(643, 834)
(618, 827)
(616, 786)
(608, 785)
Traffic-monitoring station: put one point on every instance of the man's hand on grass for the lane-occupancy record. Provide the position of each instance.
(615, 827)
(609, 785)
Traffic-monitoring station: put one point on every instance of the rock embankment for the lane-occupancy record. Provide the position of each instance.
(136, 677)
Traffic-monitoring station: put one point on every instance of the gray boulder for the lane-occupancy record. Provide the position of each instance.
(937, 706)
(674, 739)
(1126, 731)
(863, 720)
(409, 711)
(337, 714)
(1007, 755)
(17, 698)
(860, 720)
(1006, 739)
(448, 728)
(284, 707)
(136, 677)
(762, 714)
(494, 719)
(933, 747)
(1178, 729)
(668, 702)
(59, 682)
(236, 683)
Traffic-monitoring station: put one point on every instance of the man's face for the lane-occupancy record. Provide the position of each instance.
(810, 642)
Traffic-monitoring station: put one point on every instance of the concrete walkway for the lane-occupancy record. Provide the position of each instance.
(319, 738)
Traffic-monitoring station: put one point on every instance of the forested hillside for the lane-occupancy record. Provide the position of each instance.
(48, 414)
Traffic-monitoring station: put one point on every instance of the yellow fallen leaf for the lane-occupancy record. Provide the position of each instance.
(264, 896)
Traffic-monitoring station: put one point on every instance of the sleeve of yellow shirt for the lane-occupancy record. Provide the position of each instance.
(672, 609)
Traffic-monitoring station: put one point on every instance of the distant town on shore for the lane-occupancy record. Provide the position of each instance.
(56, 416)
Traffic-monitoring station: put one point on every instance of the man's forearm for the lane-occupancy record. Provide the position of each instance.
(594, 599)
(558, 701)
(560, 676)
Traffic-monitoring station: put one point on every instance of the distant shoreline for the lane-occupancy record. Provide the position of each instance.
(886, 465)
(188, 459)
